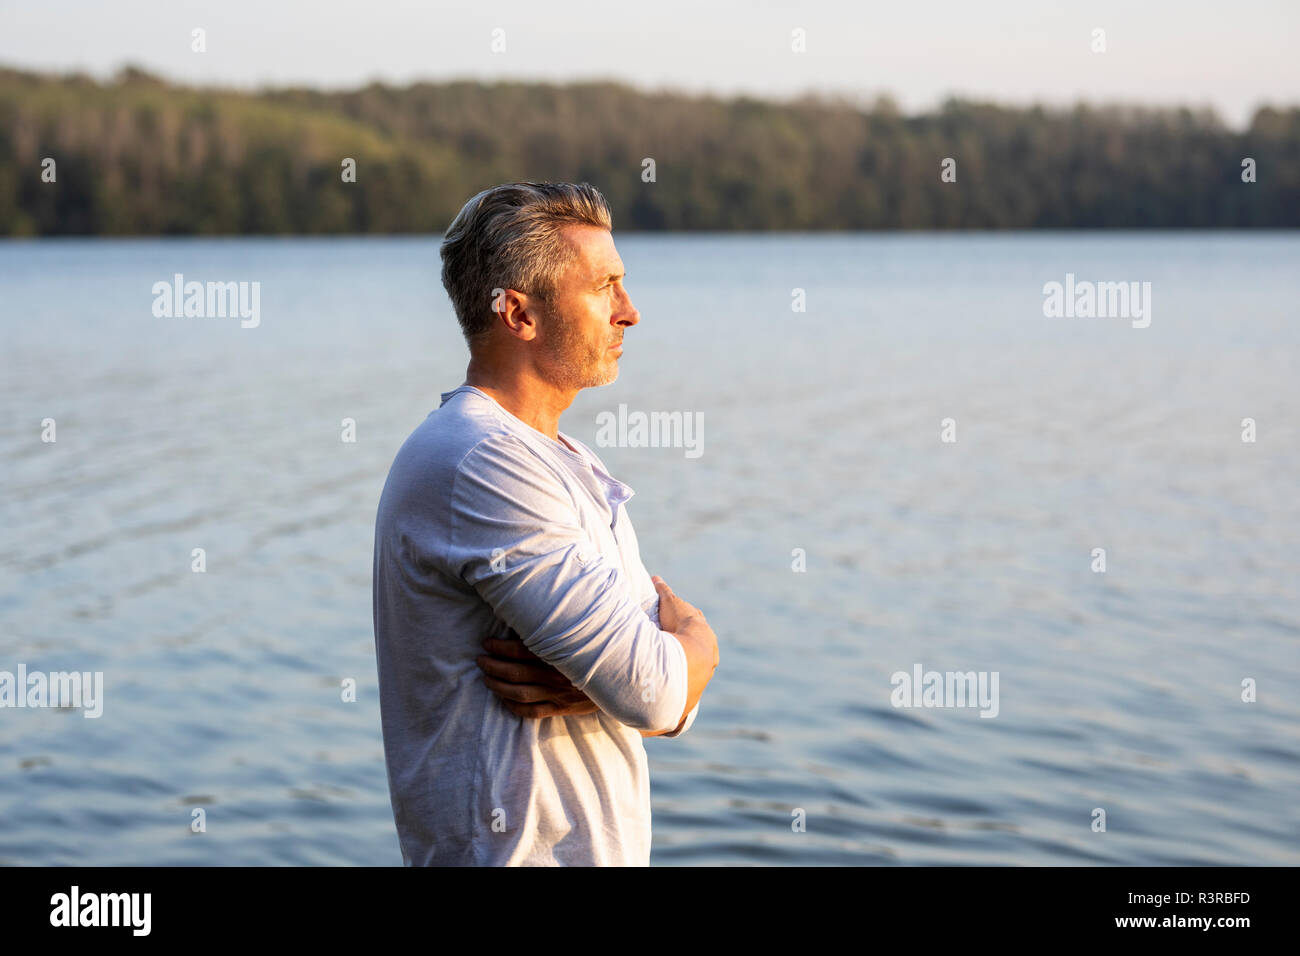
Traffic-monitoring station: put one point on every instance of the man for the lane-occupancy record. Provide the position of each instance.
(523, 650)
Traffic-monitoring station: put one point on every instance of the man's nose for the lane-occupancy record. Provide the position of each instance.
(627, 313)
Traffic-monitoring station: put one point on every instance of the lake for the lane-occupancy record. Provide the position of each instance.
(908, 463)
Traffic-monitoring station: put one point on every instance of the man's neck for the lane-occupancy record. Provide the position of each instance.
(534, 407)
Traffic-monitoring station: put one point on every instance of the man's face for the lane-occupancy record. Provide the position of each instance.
(588, 314)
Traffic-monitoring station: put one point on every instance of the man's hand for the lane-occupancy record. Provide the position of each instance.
(526, 684)
(686, 622)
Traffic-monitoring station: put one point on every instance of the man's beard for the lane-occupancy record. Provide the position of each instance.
(572, 361)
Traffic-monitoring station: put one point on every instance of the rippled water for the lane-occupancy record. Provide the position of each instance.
(1119, 691)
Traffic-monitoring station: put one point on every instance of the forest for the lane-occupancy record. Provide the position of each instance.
(138, 155)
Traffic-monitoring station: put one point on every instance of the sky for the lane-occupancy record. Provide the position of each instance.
(1232, 55)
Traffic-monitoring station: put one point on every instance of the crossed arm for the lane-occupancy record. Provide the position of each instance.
(529, 687)
(515, 537)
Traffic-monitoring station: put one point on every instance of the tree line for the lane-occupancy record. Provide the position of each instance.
(137, 155)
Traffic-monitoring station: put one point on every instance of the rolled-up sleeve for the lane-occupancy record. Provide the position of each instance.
(516, 537)
(690, 719)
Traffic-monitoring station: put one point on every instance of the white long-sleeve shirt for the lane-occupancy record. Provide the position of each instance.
(487, 525)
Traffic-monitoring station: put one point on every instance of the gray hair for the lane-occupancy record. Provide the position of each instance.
(508, 237)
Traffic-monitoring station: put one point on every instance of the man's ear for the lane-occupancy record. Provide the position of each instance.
(522, 314)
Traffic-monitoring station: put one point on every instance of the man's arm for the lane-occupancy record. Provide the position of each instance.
(680, 729)
(686, 623)
(530, 687)
(516, 538)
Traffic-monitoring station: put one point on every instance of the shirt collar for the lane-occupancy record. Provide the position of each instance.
(517, 423)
